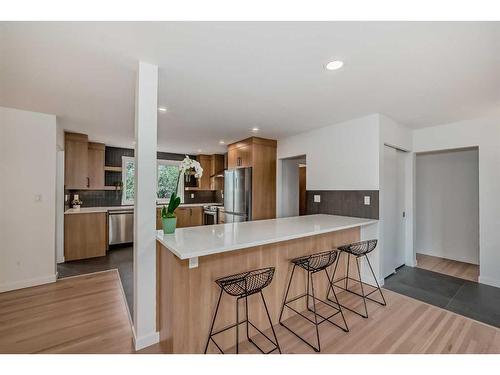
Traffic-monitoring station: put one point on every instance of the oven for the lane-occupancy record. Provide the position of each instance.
(210, 215)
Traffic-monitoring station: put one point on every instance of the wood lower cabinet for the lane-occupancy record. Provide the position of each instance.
(186, 217)
(85, 235)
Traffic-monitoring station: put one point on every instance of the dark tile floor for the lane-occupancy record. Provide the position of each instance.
(477, 301)
(118, 257)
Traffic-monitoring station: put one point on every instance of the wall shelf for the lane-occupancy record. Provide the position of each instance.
(112, 169)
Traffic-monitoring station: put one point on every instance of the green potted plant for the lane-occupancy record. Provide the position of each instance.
(168, 218)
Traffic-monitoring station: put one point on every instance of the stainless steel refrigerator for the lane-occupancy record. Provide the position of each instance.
(238, 195)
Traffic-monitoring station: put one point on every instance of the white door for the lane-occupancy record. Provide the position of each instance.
(393, 253)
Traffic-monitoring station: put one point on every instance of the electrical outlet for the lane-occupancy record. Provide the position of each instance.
(367, 200)
(317, 198)
(192, 195)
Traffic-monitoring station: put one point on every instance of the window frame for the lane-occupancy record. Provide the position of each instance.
(127, 159)
(180, 190)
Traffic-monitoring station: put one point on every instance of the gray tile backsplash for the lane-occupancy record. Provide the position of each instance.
(105, 198)
(344, 202)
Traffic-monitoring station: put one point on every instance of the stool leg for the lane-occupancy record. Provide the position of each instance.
(362, 289)
(286, 294)
(347, 275)
(246, 312)
(330, 281)
(237, 327)
(331, 286)
(270, 322)
(310, 274)
(376, 281)
(213, 322)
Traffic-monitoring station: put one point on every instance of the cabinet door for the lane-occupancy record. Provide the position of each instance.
(183, 217)
(96, 165)
(204, 181)
(76, 161)
(196, 216)
(159, 224)
(244, 158)
(240, 157)
(85, 235)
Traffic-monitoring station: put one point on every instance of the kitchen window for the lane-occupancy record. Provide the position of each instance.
(167, 175)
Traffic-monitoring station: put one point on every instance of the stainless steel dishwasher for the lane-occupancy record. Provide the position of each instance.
(120, 226)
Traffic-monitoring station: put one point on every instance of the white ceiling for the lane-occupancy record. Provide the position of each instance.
(219, 79)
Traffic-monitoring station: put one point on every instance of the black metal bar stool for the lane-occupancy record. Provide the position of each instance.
(358, 250)
(313, 264)
(243, 285)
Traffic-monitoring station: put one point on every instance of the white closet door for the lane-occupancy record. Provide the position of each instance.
(393, 207)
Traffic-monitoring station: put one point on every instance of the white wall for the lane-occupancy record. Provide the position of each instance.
(343, 156)
(484, 133)
(447, 205)
(347, 156)
(289, 195)
(27, 226)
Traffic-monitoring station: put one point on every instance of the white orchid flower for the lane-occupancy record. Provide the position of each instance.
(188, 164)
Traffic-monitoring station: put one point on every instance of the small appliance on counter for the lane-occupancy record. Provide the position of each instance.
(76, 202)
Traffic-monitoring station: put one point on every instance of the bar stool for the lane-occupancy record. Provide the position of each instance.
(358, 250)
(313, 264)
(243, 285)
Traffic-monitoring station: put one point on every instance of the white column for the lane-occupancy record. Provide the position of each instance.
(146, 102)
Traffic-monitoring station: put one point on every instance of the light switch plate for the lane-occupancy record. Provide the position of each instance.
(317, 198)
(367, 200)
(192, 195)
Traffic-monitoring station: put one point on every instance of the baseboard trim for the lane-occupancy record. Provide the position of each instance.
(489, 281)
(27, 283)
(145, 341)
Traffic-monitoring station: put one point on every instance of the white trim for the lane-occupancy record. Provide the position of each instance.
(125, 160)
(146, 340)
(21, 284)
(489, 281)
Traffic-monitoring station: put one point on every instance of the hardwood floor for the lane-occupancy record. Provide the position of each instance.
(87, 314)
(405, 325)
(83, 314)
(449, 267)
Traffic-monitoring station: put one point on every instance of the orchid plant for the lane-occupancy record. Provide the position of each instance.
(186, 166)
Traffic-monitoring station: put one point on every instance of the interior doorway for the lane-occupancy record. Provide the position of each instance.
(447, 212)
(292, 199)
(393, 255)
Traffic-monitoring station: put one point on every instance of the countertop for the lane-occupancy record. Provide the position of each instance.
(88, 210)
(194, 242)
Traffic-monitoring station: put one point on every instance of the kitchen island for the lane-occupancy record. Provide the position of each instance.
(189, 261)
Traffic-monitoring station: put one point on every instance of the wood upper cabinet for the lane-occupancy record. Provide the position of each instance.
(76, 161)
(240, 154)
(83, 162)
(85, 235)
(260, 154)
(206, 163)
(217, 167)
(96, 153)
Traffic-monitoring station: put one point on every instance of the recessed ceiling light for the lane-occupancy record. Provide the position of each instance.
(334, 65)
(255, 130)
(162, 109)
(221, 142)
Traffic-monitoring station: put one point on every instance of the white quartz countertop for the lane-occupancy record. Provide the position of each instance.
(88, 210)
(194, 242)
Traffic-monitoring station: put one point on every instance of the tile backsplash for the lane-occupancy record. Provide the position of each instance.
(344, 202)
(111, 198)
